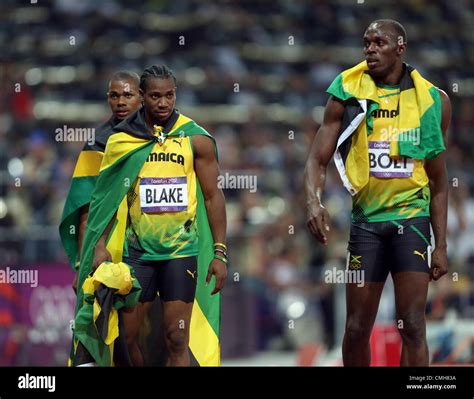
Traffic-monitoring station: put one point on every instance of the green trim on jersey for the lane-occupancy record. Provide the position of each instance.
(387, 87)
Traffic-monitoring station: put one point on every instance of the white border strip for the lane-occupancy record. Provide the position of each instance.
(344, 135)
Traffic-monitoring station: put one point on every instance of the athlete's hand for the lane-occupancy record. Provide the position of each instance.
(439, 264)
(100, 255)
(318, 221)
(74, 282)
(219, 270)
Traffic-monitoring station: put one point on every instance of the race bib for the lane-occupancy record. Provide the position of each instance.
(163, 194)
(384, 167)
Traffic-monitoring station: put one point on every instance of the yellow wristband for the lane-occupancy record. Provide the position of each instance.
(220, 244)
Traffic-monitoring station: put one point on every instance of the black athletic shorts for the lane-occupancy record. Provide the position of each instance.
(173, 279)
(378, 248)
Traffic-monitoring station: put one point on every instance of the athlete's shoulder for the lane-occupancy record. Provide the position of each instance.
(338, 102)
(201, 130)
(104, 132)
(335, 108)
(192, 127)
(446, 111)
(102, 135)
(444, 96)
(204, 145)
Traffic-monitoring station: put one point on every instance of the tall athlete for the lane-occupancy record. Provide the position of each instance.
(162, 241)
(386, 127)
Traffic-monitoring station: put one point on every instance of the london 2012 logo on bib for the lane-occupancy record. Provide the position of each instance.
(163, 194)
(385, 167)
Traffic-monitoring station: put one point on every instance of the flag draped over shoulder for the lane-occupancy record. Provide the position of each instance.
(83, 183)
(127, 150)
(419, 113)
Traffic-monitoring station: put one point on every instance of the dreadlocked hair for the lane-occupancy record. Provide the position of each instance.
(156, 72)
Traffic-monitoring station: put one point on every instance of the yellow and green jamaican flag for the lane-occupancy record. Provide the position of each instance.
(419, 110)
(127, 149)
(110, 289)
(83, 183)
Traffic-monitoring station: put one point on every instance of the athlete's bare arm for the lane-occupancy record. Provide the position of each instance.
(100, 252)
(321, 152)
(437, 173)
(83, 214)
(207, 171)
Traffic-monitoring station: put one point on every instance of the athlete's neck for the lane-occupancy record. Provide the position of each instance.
(392, 78)
(150, 121)
(114, 120)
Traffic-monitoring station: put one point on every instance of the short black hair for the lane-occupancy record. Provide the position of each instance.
(156, 72)
(395, 25)
(126, 75)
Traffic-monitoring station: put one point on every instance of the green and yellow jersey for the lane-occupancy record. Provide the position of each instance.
(398, 187)
(162, 204)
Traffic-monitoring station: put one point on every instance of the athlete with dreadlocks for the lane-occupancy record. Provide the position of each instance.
(172, 196)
